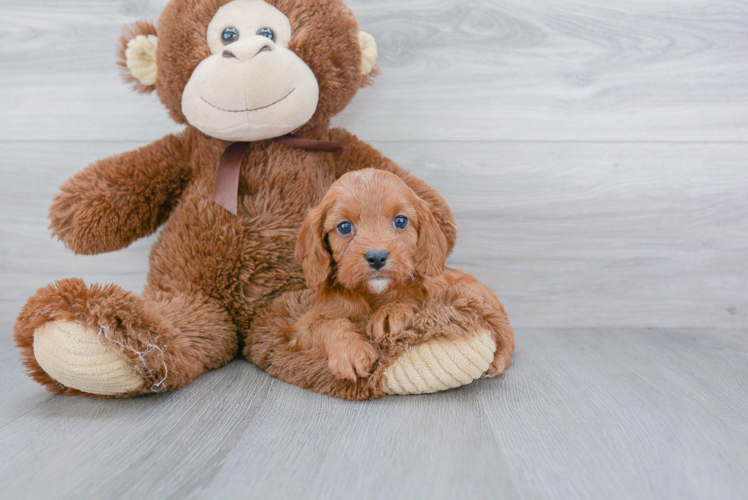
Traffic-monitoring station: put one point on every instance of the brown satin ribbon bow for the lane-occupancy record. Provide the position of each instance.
(226, 190)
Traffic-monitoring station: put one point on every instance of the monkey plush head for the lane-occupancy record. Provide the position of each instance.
(248, 70)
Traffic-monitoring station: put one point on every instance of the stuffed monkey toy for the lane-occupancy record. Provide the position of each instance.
(255, 83)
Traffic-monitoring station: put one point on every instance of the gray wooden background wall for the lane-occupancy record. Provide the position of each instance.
(595, 154)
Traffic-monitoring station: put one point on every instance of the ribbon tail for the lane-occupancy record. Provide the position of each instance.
(226, 189)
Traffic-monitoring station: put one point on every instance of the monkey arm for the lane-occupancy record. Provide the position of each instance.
(363, 155)
(117, 200)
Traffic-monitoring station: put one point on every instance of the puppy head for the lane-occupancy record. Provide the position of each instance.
(371, 233)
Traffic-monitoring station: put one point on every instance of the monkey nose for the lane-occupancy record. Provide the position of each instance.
(376, 258)
(247, 49)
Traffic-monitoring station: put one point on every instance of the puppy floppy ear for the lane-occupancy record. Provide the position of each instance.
(431, 249)
(311, 252)
(137, 56)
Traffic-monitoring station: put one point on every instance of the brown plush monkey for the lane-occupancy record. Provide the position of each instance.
(248, 71)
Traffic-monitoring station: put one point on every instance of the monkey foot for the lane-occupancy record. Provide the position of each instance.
(78, 357)
(440, 364)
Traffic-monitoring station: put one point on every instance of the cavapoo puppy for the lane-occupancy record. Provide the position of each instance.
(375, 255)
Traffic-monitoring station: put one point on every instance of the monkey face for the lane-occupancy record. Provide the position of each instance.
(248, 70)
(251, 87)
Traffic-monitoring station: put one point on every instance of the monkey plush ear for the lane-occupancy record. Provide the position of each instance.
(137, 56)
(368, 57)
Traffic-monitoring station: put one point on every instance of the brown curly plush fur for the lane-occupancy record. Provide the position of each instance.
(212, 274)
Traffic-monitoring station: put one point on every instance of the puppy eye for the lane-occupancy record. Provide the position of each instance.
(266, 32)
(400, 222)
(345, 228)
(230, 35)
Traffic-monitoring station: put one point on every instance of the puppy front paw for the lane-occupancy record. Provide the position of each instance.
(390, 323)
(351, 360)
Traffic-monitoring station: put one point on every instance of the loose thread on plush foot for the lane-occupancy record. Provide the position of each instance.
(103, 330)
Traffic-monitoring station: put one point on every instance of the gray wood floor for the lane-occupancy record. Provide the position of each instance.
(596, 157)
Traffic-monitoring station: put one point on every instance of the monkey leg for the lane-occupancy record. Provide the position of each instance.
(444, 362)
(461, 334)
(105, 341)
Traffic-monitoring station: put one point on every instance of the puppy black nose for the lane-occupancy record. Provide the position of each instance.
(377, 258)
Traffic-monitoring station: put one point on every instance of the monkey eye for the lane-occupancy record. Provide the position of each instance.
(266, 32)
(345, 228)
(230, 35)
(400, 222)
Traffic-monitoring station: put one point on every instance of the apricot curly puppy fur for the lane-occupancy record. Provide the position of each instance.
(375, 255)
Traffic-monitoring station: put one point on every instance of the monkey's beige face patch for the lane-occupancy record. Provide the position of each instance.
(251, 87)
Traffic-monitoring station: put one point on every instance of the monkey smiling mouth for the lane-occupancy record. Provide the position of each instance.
(245, 110)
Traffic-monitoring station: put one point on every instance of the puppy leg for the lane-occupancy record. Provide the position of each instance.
(476, 299)
(392, 324)
(269, 346)
(460, 334)
(503, 334)
(469, 306)
(350, 355)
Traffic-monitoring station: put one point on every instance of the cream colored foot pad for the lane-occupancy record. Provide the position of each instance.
(72, 354)
(440, 364)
